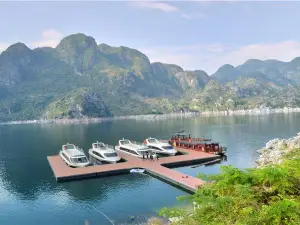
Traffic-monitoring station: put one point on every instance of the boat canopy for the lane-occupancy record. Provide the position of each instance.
(124, 142)
(68, 146)
(181, 133)
(99, 145)
(152, 140)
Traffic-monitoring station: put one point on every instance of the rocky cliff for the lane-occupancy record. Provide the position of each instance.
(46, 82)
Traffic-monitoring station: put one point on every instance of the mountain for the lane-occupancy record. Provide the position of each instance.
(226, 73)
(277, 72)
(80, 78)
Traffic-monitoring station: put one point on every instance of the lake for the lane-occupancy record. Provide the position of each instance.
(29, 193)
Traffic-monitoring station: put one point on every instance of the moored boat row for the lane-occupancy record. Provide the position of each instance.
(149, 146)
(74, 156)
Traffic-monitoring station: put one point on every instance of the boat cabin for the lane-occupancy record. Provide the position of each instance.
(68, 146)
(151, 141)
(185, 140)
(133, 148)
(181, 136)
(73, 155)
(99, 145)
(124, 142)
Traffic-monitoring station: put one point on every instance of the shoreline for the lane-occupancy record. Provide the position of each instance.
(275, 150)
(255, 111)
(89, 120)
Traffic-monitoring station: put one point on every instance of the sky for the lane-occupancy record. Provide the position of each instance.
(193, 34)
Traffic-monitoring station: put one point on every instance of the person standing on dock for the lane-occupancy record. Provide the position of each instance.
(143, 155)
(151, 156)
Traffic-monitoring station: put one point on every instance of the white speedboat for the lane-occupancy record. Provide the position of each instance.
(73, 156)
(160, 147)
(133, 148)
(137, 170)
(104, 153)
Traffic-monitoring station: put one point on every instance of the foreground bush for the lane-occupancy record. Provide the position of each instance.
(267, 195)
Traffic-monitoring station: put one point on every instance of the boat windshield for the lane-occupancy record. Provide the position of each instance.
(69, 147)
(79, 159)
(99, 145)
(167, 147)
(113, 154)
(124, 142)
(152, 140)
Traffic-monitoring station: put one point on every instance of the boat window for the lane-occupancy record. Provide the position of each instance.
(128, 150)
(155, 148)
(124, 142)
(70, 146)
(152, 140)
(99, 145)
(66, 158)
(113, 154)
(79, 160)
(167, 147)
(98, 154)
(102, 146)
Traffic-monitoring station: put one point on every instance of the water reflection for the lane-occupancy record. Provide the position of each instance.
(29, 190)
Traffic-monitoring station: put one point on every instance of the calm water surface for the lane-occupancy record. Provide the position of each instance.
(29, 193)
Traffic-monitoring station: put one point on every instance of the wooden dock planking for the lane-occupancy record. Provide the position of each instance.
(176, 178)
(63, 172)
(157, 168)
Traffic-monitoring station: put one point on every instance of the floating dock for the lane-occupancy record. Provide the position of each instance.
(157, 168)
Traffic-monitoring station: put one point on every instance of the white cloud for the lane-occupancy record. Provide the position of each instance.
(192, 15)
(3, 46)
(166, 7)
(210, 57)
(50, 38)
(51, 34)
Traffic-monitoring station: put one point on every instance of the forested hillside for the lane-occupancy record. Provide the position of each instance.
(81, 78)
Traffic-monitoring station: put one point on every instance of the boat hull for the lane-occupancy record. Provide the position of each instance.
(117, 148)
(165, 153)
(112, 161)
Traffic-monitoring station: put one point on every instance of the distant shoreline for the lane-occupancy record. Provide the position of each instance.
(88, 120)
(255, 111)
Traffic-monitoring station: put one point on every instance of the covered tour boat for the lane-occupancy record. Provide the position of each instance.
(160, 147)
(103, 152)
(185, 140)
(73, 156)
(133, 148)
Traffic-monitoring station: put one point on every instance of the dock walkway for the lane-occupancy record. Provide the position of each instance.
(158, 168)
